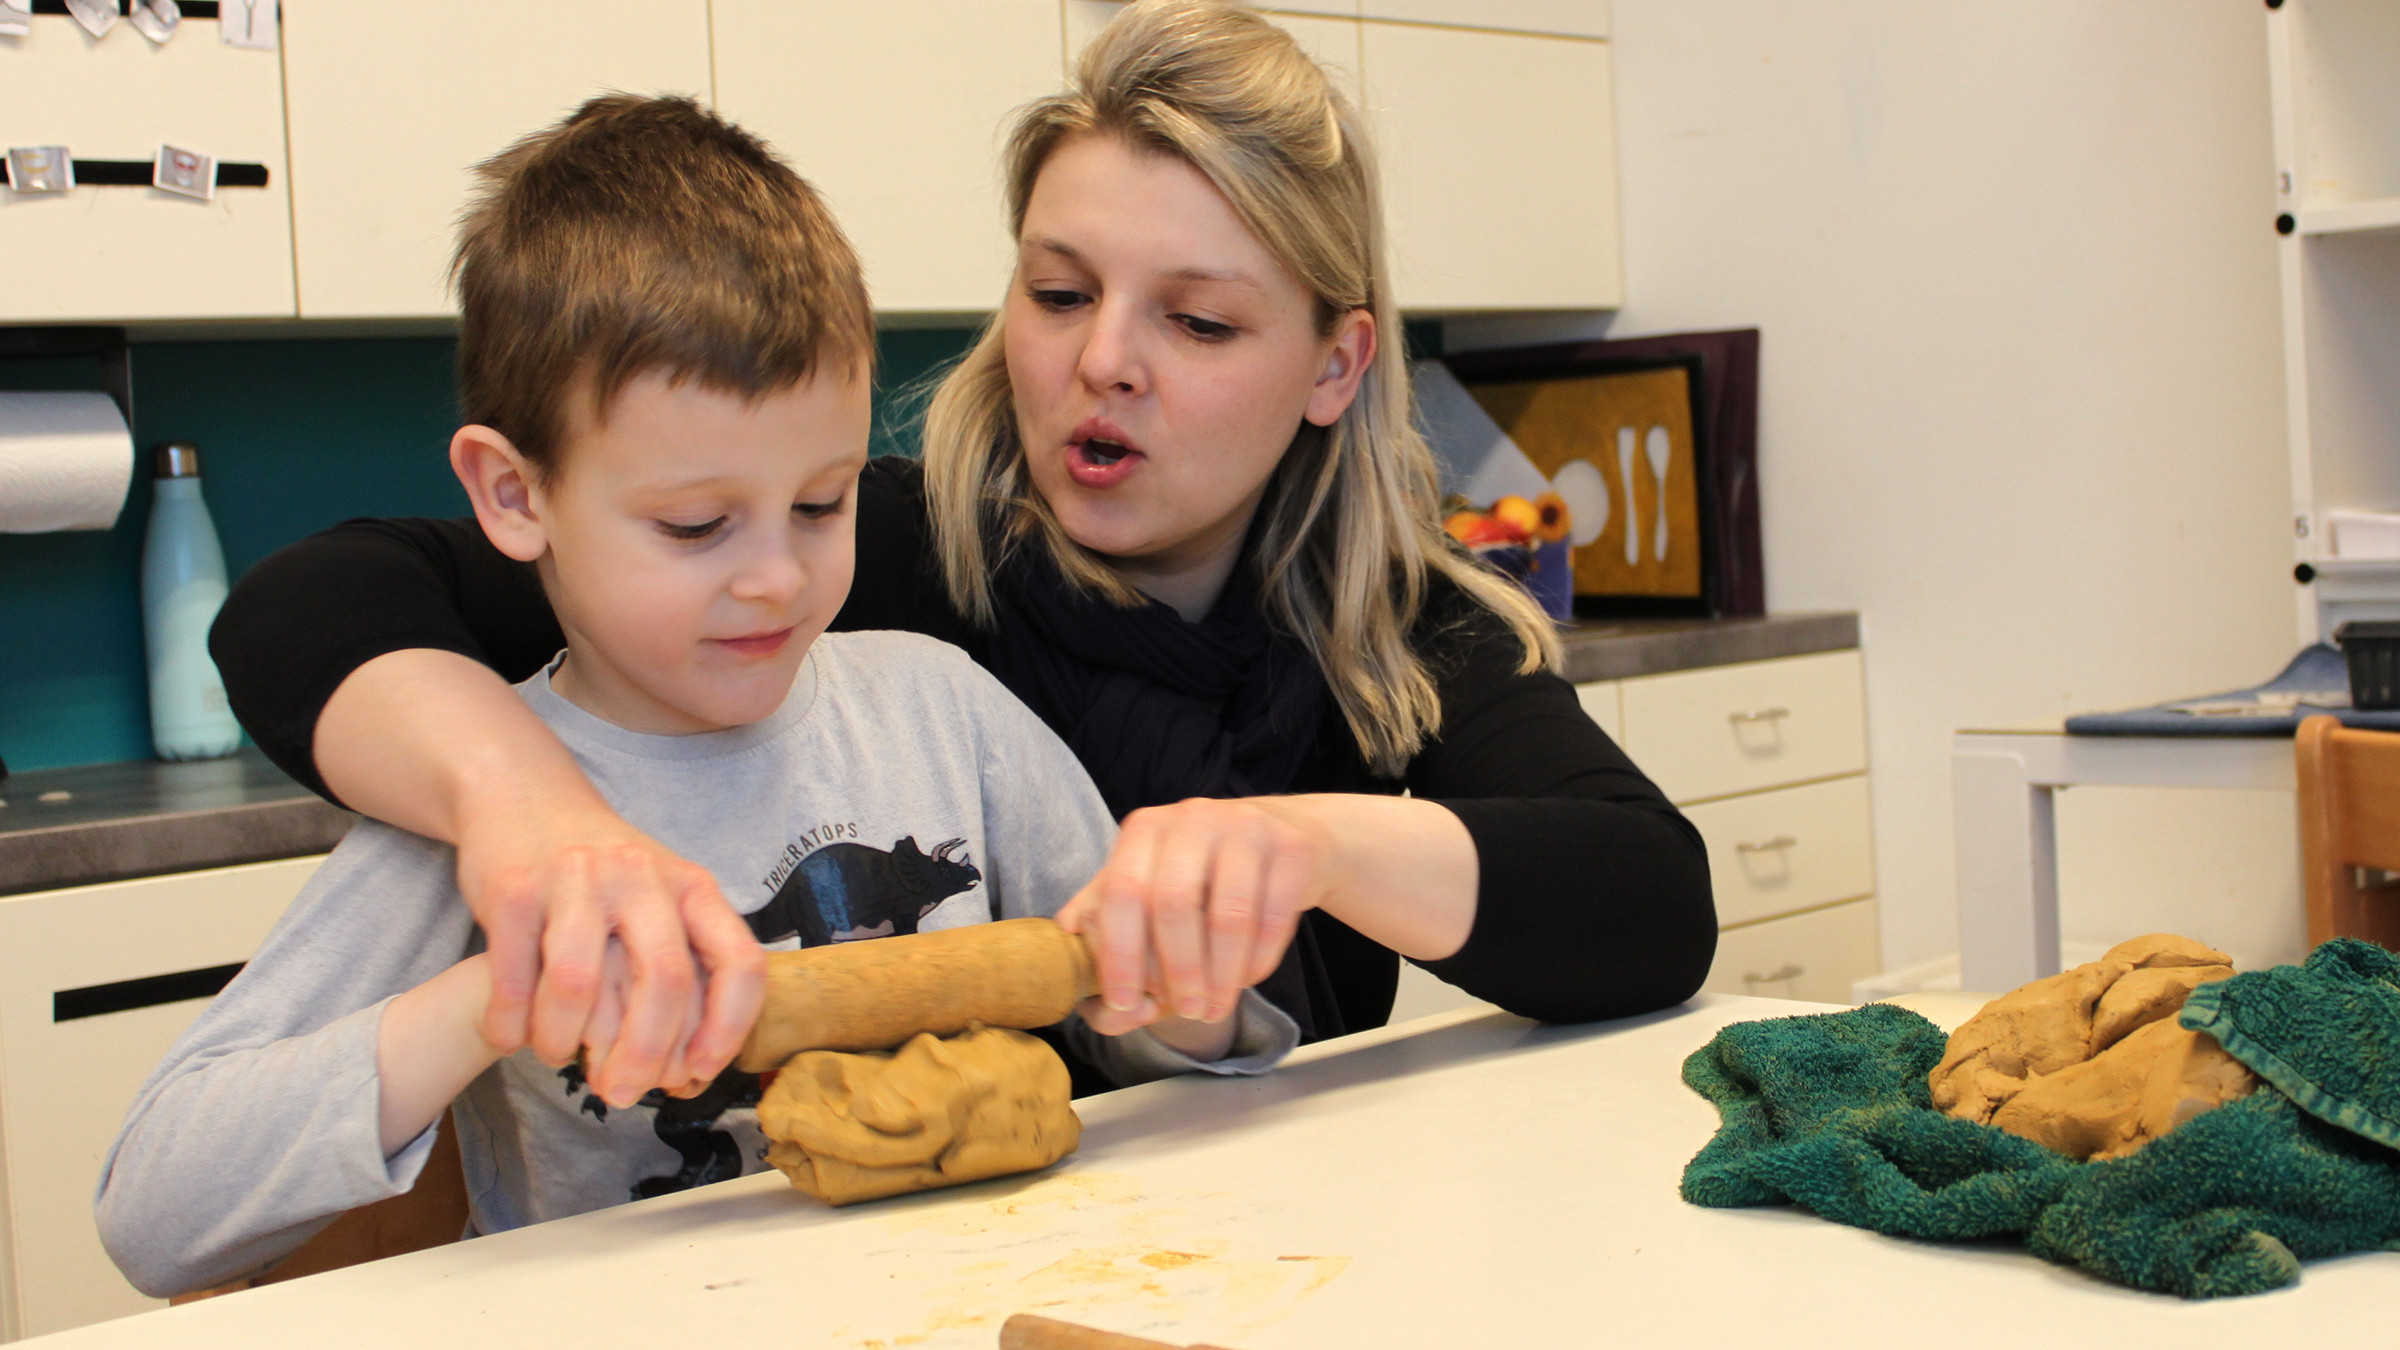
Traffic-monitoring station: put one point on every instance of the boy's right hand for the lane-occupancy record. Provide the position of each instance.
(551, 888)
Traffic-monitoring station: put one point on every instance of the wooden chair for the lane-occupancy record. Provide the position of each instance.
(432, 1213)
(2349, 820)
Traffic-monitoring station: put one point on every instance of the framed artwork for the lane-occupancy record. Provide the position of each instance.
(1639, 454)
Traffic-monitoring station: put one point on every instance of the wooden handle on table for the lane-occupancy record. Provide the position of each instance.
(1028, 1332)
(1018, 973)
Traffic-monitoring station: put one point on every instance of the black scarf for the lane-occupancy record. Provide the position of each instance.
(1160, 709)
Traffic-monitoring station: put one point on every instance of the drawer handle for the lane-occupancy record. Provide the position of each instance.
(1759, 715)
(1788, 971)
(150, 991)
(1775, 845)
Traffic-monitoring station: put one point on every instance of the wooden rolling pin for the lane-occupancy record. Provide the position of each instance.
(1018, 973)
(1028, 1332)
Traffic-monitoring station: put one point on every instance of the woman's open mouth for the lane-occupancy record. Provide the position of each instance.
(1098, 455)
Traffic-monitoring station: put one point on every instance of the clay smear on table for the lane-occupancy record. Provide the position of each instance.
(1095, 1248)
(936, 1112)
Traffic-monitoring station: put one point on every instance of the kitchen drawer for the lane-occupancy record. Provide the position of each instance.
(1599, 699)
(1795, 848)
(1812, 956)
(65, 1085)
(1740, 728)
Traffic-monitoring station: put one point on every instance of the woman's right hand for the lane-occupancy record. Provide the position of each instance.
(435, 742)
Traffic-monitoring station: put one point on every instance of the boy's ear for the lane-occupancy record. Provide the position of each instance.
(500, 484)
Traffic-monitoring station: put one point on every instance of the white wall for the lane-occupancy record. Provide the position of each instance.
(2021, 399)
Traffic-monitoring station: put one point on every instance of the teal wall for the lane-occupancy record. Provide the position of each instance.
(294, 436)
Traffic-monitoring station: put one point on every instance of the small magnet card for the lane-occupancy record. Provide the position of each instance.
(247, 23)
(40, 168)
(16, 18)
(96, 16)
(186, 173)
(157, 19)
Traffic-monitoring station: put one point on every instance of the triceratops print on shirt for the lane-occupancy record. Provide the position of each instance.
(842, 892)
(847, 892)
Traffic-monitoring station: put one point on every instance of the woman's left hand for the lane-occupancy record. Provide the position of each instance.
(1196, 903)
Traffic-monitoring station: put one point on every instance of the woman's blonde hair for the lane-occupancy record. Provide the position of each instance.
(1347, 530)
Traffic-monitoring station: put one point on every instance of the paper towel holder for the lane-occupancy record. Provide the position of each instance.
(106, 346)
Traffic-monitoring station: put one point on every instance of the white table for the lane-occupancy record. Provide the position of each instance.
(1467, 1181)
(2004, 789)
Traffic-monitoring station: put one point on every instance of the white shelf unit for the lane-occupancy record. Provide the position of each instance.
(2335, 76)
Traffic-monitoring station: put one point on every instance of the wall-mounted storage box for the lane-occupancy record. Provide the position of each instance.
(113, 253)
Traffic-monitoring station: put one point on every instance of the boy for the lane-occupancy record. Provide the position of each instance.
(664, 361)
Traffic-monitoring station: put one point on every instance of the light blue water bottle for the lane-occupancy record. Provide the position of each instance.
(183, 584)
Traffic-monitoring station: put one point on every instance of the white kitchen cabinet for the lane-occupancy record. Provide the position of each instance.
(69, 1072)
(1567, 18)
(1500, 167)
(1812, 955)
(1602, 703)
(110, 253)
(1788, 849)
(1768, 760)
(1757, 724)
(897, 111)
(1324, 31)
(391, 107)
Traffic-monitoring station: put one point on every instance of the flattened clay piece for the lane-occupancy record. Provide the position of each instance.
(2131, 1093)
(936, 1112)
(2051, 1024)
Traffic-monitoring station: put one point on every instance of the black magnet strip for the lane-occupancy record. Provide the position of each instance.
(190, 9)
(98, 1000)
(136, 173)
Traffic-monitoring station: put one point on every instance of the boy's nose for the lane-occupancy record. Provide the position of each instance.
(771, 575)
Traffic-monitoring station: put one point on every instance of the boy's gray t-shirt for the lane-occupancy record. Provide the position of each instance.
(898, 788)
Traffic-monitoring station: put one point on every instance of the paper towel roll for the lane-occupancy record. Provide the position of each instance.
(66, 459)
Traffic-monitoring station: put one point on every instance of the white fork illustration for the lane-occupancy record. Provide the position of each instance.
(1658, 446)
(1633, 513)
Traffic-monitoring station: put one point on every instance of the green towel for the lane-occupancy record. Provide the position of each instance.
(2325, 1032)
(1832, 1112)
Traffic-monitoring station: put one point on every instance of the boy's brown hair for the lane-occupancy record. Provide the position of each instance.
(640, 235)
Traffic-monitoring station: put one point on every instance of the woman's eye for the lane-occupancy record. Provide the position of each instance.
(819, 510)
(703, 530)
(1207, 330)
(1059, 300)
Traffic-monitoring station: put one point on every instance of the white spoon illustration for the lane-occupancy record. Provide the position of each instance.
(1657, 445)
(1633, 514)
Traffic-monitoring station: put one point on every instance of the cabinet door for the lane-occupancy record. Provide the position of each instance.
(1812, 956)
(1500, 167)
(897, 111)
(1740, 728)
(1600, 702)
(69, 1072)
(117, 253)
(392, 106)
(1570, 18)
(1795, 848)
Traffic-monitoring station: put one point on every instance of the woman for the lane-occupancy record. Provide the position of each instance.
(1174, 500)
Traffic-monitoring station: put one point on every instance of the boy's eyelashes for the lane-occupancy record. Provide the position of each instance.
(695, 532)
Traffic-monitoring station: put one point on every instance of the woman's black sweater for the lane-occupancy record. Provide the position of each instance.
(1594, 898)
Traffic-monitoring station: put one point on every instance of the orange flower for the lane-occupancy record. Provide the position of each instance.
(1554, 520)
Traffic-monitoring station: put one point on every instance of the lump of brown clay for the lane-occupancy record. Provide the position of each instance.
(937, 1111)
(2091, 1061)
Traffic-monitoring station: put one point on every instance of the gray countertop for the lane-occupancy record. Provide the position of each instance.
(107, 822)
(143, 818)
